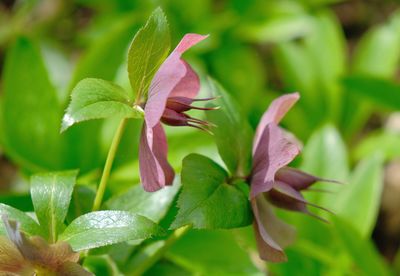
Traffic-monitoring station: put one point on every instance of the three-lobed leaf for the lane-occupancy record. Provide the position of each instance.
(96, 98)
(51, 196)
(102, 228)
(207, 200)
(148, 50)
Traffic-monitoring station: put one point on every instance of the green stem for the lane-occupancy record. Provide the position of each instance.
(149, 262)
(107, 167)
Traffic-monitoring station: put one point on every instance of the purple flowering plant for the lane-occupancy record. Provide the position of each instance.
(254, 180)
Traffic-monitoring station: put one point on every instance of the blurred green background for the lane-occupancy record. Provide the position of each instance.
(342, 56)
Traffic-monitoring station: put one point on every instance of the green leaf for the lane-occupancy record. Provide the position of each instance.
(102, 228)
(101, 265)
(31, 111)
(51, 196)
(148, 50)
(28, 224)
(151, 205)
(386, 143)
(95, 99)
(365, 187)
(233, 134)
(362, 251)
(207, 200)
(368, 58)
(275, 21)
(327, 34)
(375, 90)
(213, 253)
(325, 155)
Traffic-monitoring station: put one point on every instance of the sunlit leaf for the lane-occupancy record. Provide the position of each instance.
(96, 99)
(102, 228)
(148, 50)
(51, 196)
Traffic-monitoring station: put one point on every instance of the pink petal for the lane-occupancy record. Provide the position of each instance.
(188, 86)
(168, 77)
(274, 151)
(284, 196)
(272, 234)
(297, 179)
(155, 171)
(274, 114)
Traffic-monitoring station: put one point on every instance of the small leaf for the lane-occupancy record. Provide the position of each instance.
(51, 196)
(365, 187)
(151, 205)
(233, 133)
(102, 228)
(384, 142)
(95, 99)
(28, 225)
(148, 50)
(207, 201)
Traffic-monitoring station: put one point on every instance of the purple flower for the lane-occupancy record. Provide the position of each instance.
(171, 93)
(273, 183)
(20, 255)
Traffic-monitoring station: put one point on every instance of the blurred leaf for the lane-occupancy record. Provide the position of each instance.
(396, 264)
(368, 58)
(101, 265)
(21, 201)
(232, 133)
(375, 90)
(226, 257)
(151, 205)
(242, 76)
(325, 155)
(362, 251)
(275, 21)
(365, 187)
(327, 34)
(31, 111)
(207, 200)
(167, 268)
(95, 99)
(51, 196)
(148, 50)
(102, 228)
(104, 57)
(28, 225)
(387, 143)
(79, 207)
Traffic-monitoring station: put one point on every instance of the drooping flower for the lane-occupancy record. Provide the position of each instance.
(20, 255)
(273, 183)
(171, 93)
